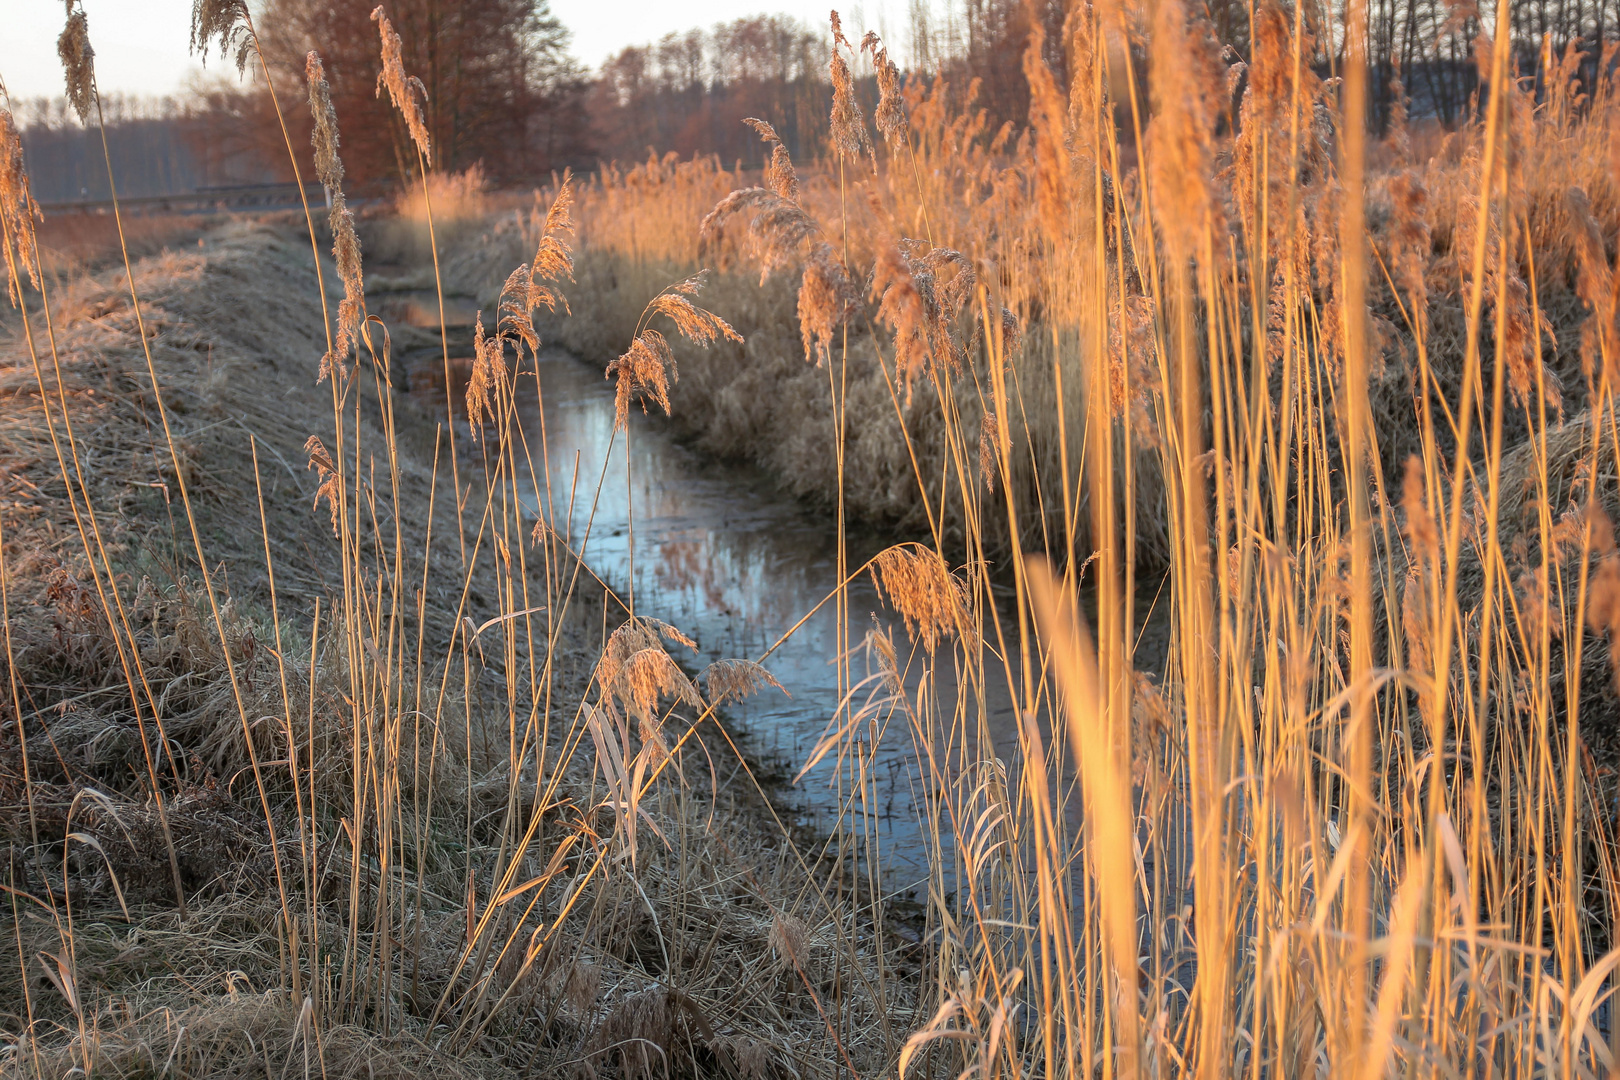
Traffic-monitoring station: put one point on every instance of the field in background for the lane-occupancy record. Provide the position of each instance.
(1345, 405)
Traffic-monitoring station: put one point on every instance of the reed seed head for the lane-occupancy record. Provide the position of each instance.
(931, 600)
(18, 211)
(554, 257)
(1603, 587)
(352, 308)
(1188, 90)
(329, 488)
(78, 63)
(890, 116)
(733, 680)
(780, 176)
(324, 134)
(989, 450)
(402, 90)
(777, 229)
(789, 939)
(1420, 527)
(646, 370)
(226, 22)
(697, 325)
(848, 122)
(345, 240)
(487, 379)
(827, 299)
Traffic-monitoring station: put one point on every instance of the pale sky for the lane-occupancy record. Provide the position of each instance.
(141, 44)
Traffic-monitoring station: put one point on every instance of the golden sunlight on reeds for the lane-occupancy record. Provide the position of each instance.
(1247, 594)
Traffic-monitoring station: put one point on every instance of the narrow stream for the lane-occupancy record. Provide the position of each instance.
(735, 565)
(732, 563)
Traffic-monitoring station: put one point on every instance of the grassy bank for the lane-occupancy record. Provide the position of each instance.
(186, 774)
(1349, 401)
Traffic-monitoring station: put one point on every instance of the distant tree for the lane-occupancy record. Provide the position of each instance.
(501, 86)
(690, 92)
(216, 134)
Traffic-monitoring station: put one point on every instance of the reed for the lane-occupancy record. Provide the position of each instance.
(1192, 355)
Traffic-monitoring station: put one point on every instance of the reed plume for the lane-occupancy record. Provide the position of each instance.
(890, 116)
(779, 229)
(931, 600)
(650, 674)
(920, 295)
(780, 176)
(554, 257)
(1048, 114)
(1603, 589)
(695, 324)
(733, 680)
(827, 300)
(329, 483)
(647, 369)
(531, 285)
(18, 211)
(402, 89)
(990, 439)
(848, 122)
(345, 241)
(226, 22)
(78, 63)
(488, 376)
(1598, 287)
(629, 674)
(1187, 88)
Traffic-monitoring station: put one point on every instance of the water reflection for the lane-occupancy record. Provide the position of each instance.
(735, 565)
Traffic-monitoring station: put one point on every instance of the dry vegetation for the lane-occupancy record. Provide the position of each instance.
(395, 786)
(355, 789)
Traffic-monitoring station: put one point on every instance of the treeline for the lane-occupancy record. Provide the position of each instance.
(158, 146)
(690, 92)
(500, 88)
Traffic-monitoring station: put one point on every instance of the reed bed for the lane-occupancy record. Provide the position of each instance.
(1191, 341)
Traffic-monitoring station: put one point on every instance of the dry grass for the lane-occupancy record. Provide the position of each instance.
(256, 761)
(73, 243)
(1368, 801)
(1361, 821)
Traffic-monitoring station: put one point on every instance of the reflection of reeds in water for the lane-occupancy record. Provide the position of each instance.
(1360, 822)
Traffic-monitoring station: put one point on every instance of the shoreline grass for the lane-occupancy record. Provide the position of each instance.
(1356, 408)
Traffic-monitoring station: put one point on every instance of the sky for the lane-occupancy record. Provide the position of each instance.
(141, 44)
